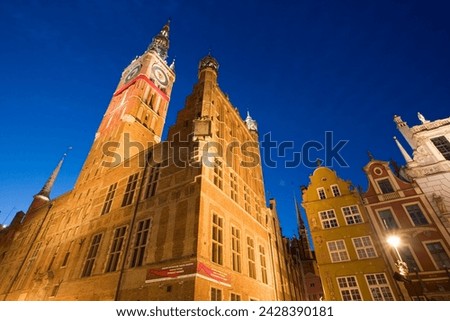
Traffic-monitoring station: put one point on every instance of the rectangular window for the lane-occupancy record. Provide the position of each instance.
(364, 247)
(233, 187)
(216, 294)
(152, 180)
(131, 188)
(439, 255)
(235, 297)
(385, 186)
(217, 239)
(246, 199)
(338, 251)
(335, 190)
(321, 193)
(236, 249)
(55, 290)
(349, 289)
(92, 254)
(443, 146)
(116, 249)
(262, 259)
(109, 198)
(379, 287)
(328, 219)
(408, 257)
(140, 243)
(388, 220)
(218, 173)
(66, 259)
(36, 251)
(251, 258)
(416, 214)
(352, 215)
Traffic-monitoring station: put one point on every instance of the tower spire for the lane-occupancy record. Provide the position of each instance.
(160, 42)
(44, 193)
(43, 197)
(305, 249)
(403, 151)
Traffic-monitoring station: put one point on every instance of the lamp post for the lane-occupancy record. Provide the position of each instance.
(402, 268)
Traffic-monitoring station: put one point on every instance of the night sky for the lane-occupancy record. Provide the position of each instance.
(302, 68)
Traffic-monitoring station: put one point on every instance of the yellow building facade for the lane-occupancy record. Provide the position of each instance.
(350, 260)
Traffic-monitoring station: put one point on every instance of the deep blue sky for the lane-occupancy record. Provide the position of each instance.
(300, 67)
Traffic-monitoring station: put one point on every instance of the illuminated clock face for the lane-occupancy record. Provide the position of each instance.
(133, 72)
(160, 75)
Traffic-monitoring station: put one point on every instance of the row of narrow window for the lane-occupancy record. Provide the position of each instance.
(363, 246)
(218, 181)
(217, 250)
(365, 250)
(116, 249)
(351, 215)
(334, 190)
(385, 185)
(130, 189)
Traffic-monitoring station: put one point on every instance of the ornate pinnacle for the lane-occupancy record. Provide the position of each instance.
(160, 42)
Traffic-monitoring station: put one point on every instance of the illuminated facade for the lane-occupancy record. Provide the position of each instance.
(182, 219)
(399, 208)
(350, 259)
(430, 165)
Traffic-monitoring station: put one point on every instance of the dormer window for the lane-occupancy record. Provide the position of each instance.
(335, 190)
(321, 193)
(385, 186)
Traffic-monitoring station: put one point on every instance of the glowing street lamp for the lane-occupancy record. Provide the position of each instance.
(402, 267)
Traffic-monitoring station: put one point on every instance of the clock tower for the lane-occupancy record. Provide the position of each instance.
(135, 117)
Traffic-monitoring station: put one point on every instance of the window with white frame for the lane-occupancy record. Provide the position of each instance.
(338, 251)
(364, 247)
(408, 257)
(335, 190)
(321, 193)
(348, 286)
(352, 215)
(328, 219)
(379, 287)
(385, 186)
(416, 214)
(439, 255)
(388, 220)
